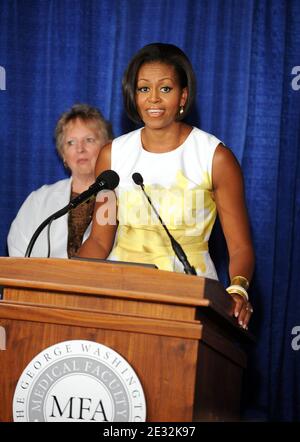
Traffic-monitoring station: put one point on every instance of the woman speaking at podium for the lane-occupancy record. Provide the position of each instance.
(189, 175)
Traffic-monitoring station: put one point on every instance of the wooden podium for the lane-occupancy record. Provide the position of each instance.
(175, 330)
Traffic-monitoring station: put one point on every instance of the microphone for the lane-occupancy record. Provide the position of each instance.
(107, 180)
(178, 250)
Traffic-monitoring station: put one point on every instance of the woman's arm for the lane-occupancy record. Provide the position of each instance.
(230, 200)
(101, 239)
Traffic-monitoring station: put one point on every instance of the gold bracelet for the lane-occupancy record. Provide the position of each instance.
(240, 280)
(239, 290)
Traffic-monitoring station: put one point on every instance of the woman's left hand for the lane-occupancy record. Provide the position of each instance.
(242, 310)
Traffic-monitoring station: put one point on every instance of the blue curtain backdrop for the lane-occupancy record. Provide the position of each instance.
(58, 52)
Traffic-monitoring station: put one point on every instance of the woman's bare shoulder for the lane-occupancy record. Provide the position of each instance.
(104, 159)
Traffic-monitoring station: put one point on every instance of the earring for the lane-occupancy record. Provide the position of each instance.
(65, 164)
(181, 110)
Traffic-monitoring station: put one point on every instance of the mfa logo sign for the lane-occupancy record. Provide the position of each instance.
(79, 381)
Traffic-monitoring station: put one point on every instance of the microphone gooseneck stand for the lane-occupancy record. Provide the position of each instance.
(108, 179)
(178, 250)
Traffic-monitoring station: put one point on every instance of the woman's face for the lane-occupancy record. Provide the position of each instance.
(159, 95)
(81, 145)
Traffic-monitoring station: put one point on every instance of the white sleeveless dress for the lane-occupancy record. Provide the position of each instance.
(179, 184)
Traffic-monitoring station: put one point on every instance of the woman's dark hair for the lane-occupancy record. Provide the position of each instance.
(164, 53)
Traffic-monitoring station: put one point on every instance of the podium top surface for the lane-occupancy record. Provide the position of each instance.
(114, 280)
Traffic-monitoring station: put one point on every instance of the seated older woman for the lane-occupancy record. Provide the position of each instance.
(80, 134)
